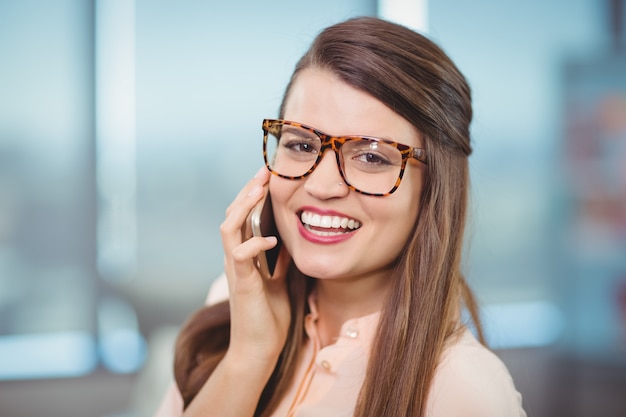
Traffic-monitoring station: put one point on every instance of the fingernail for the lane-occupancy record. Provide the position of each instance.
(260, 171)
(271, 239)
(255, 191)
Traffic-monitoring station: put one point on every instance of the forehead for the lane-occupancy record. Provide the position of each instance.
(320, 99)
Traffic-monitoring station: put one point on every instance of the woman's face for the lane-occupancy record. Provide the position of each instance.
(319, 99)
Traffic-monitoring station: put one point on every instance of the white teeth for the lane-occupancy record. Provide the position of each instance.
(336, 222)
(328, 222)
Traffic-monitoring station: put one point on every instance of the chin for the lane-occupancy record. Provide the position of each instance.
(317, 270)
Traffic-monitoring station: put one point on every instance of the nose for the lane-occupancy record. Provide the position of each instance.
(325, 181)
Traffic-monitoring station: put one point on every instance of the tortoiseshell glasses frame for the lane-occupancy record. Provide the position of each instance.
(273, 127)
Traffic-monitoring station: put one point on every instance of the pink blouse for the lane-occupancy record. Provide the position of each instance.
(470, 381)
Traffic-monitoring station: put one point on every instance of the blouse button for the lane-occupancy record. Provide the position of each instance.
(352, 332)
(326, 365)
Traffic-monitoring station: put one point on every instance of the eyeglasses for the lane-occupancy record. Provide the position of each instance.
(368, 165)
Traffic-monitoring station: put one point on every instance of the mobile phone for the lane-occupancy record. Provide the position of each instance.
(260, 222)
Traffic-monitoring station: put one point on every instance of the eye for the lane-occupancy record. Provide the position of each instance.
(299, 141)
(371, 158)
(298, 144)
(370, 162)
(367, 155)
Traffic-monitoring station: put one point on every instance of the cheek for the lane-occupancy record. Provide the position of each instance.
(406, 205)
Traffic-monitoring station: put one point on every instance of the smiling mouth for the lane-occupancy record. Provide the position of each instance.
(328, 225)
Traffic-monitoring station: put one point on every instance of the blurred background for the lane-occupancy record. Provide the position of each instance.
(127, 126)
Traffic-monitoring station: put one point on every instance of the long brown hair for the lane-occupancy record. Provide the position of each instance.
(417, 80)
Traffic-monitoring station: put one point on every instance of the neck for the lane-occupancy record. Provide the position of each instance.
(341, 300)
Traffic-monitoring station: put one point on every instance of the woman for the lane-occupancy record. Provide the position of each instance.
(363, 313)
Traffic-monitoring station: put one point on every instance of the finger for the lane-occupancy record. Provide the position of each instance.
(243, 262)
(232, 228)
(253, 247)
(260, 178)
(239, 209)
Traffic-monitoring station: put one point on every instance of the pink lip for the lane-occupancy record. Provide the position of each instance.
(323, 240)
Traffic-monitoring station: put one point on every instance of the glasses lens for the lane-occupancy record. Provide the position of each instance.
(369, 165)
(291, 150)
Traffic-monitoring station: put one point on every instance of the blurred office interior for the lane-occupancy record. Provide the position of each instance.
(127, 126)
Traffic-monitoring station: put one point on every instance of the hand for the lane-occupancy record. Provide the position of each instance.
(259, 308)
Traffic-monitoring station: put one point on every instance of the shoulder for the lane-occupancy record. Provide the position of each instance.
(171, 403)
(218, 291)
(472, 381)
